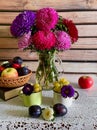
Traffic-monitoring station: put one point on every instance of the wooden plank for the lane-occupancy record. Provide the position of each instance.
(79, 55)
(76, 16)
(85, 43)
(36, 4)
(70, 55)
(84, 31)
(7, 17)
(87, 30)
(12, 5)
(8, 43)
(73, 78)
(67, 67)
(5, 31)
(80, 17)
(82, 43)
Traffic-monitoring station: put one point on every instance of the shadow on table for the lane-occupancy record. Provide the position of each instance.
(75, 85)
(16, 101)
(47, 101)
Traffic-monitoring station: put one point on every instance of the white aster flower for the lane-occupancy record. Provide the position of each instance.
(48, 114)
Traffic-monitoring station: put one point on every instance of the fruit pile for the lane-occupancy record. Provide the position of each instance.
(13, 68)
(48, 113)
(59, 84)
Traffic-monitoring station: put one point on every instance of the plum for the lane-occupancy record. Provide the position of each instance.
(59, 110)
(35, 111)
(23, 71)
(18, 60)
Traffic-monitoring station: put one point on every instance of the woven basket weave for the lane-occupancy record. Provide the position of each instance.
(14, 82)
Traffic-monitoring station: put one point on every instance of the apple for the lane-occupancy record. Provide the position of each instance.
(85, 82)
(9, 73)
(16, 65)
(1, 68)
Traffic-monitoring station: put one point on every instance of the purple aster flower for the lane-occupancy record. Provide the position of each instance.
(67, 91)
(63, 41)
(46, 18)
(27, 89)
(24, 41)
(22, 23)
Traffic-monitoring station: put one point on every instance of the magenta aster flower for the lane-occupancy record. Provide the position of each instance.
(72, 30)
(67, 91)
(46, 18)
(22, 23)
(63, 41)
(43, 40)
(24, 41)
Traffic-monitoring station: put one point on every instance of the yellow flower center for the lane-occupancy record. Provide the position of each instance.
(66, 91)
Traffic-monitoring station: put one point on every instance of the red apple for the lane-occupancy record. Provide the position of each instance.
(16, 65)
(1, 68)
(85, 82)
(9, 73)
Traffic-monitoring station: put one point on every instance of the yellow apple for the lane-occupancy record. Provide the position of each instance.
(9, 73)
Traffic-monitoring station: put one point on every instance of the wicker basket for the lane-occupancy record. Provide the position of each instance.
(14, 82)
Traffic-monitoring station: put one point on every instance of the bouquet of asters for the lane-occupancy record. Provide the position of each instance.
(46, 32)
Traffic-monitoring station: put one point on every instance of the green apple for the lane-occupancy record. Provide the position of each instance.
(9, 73)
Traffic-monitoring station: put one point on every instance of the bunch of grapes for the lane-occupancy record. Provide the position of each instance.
(59, 84)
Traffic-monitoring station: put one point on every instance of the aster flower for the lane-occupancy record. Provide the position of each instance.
(48, 114)
(24, 41)
(72, 30)
(46, 18)
(27, 89)
(22, 23)
(48, 21)
(67, 91)
(63, 41)
(43, 40)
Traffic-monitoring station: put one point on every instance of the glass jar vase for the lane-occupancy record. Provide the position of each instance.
(46, 72)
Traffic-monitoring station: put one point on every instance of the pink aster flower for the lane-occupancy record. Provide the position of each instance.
(46, 18)
(43, 40)
(63, 41)
(24, 41)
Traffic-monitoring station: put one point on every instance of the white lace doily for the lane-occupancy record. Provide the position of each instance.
(82, 115)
